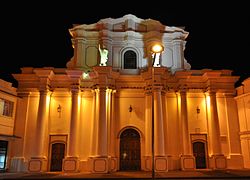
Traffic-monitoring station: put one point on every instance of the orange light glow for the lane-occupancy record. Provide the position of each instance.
(79, 101)
(179, 101)
(108, 97)
(208, 101)
(157, 48)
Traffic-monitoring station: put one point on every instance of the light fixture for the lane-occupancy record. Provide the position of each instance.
(156, 50)
(198, 110)
(59, 108)
(130, 109)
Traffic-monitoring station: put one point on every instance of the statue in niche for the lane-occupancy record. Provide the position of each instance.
(104, 55)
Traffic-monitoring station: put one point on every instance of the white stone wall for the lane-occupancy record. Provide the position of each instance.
(127, 33)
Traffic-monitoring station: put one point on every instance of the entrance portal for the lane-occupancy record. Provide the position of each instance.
(200, 155)
(130, 151)
(3, 154)
(57, 155)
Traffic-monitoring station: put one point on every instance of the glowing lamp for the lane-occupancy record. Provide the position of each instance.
(157, 48)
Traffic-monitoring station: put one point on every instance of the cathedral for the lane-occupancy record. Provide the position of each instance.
(128, 100)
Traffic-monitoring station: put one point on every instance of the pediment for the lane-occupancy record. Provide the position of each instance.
(128, 22)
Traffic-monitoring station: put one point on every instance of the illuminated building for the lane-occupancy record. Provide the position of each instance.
(243, 104)
(8, 101)
(88, 117)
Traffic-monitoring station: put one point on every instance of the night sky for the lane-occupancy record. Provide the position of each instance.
(36, 35)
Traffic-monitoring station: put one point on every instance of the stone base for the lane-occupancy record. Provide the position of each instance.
(235, 161)
(37, 164)
(173, 163)
(147, 165)
(187, 162)
(18, 164)
(71, 164)
(161, 164)
(113, 164)
(99, 164)
(217, 162)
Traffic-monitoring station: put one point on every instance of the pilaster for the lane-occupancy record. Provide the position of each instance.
(217, 159)
(100, 161)
(71, 161)
(187, 158)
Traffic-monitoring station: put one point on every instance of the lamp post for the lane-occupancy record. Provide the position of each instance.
(155, 49)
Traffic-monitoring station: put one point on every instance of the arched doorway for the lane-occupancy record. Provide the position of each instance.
(130, 150)
(199, 151)
(57, 155)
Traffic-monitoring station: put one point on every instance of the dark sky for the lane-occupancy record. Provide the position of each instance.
(36, 34)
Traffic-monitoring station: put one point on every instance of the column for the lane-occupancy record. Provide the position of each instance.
(235, 160)
(94, 128)
(38, 161)
(108, 102)
(71, 162)
(178, 56)
(217, 160)
(161, 163)
(97, 117)
(113, 136)
(148, 131)
(166, 128)
(187, 159)
(214, 125)
(158, 125)
(184, 125)
(93, 141)
(165, 121)
(79, 59)
(21, 130)
(112, 125)
(102, 148)
(99, 162)
(72, 145)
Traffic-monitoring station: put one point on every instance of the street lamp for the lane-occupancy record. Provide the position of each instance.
(156, 49)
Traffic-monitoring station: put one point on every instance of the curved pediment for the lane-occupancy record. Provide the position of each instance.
(128, 22)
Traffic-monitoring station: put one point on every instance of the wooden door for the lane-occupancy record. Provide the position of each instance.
(199, 151)
(130, 151)
(57, 155)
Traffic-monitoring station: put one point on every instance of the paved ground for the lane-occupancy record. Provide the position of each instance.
(205, 174)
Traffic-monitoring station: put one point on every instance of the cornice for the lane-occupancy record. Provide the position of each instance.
(127, 23)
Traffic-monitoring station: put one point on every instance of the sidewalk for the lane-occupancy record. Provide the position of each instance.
(204, 174)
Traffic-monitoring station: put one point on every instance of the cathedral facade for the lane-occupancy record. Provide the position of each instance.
(119, 103)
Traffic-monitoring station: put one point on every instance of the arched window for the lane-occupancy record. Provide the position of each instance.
(129, 60)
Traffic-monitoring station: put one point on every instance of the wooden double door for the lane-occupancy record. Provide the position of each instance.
(130, 150)
(199, 151)
(57, 156)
